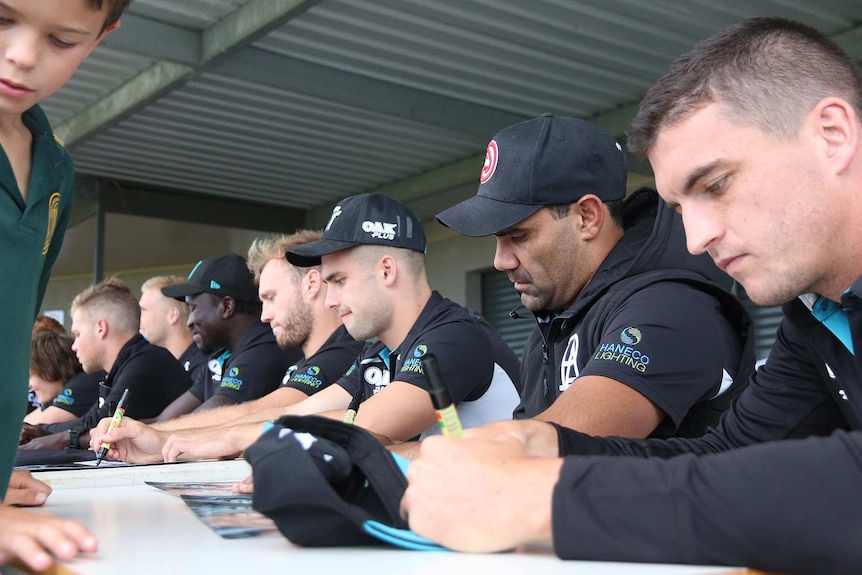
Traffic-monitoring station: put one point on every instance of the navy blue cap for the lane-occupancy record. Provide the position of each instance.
(539, 162)
(374, 219)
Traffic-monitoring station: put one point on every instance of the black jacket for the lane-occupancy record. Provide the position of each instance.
(712, 330)
(787, 506)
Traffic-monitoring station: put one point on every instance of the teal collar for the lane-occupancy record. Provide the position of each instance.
(834, 317)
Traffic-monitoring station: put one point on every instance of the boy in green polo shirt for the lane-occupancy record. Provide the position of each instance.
(41, 45)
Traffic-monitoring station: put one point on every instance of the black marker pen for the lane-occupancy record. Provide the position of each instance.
(447, 416)
(354, 405)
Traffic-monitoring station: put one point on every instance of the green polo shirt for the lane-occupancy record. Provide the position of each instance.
(30, 236)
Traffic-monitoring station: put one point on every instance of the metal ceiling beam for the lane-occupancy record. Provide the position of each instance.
(248, 23)
(197, 208)
(616, 123)
(364, 93)
(157, 40)
(223, 48)
(181, 55)
(466, 171)
(156, 80)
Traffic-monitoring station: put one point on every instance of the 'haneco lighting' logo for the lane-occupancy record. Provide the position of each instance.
(631, 336)
(625, 353)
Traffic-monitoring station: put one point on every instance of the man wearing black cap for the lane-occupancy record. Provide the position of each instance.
(635, 336)
(372, 255)
(224, 316)
(373, 259)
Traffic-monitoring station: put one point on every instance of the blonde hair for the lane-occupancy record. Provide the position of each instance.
(273, 247)
(159, 282)
(113, 300)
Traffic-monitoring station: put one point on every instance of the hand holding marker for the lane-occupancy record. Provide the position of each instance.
(354, 406)
(115, 423)
(447, 416)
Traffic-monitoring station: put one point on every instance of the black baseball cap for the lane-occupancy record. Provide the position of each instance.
(536, 163)
(226, 275)
(345, 487)
(374, 219)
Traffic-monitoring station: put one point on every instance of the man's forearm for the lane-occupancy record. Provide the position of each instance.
(209, 418)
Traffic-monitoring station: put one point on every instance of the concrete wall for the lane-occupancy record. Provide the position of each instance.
(454, 262)
(136, 249)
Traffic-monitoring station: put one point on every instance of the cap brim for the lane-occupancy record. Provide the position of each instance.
(180, 291)
(403, 538)
(480, 216)
(309, 254)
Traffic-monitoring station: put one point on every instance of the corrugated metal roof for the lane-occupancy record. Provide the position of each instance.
(297, 104)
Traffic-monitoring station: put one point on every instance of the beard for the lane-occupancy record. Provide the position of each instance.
(296, 327)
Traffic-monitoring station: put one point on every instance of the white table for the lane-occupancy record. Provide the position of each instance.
(143, 530)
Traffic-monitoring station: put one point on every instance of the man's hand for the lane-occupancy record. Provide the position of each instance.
(38, 538)
(29, 431)
(538, 438)
(132, 442)
(245, 486)
(26, 491)
(223, 442)
(58, 440)
(480, 495)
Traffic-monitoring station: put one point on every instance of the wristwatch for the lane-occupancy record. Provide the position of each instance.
(75, 435)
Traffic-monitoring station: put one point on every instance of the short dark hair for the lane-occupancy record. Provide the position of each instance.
(769, 72)
(115, 10)
(615, 209)
(253, 308)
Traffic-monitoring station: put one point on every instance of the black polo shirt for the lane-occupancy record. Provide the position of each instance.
(192, 359)
(326, 366)
(250, 371)
(153, 376)
(80, 393)
(477, 366)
